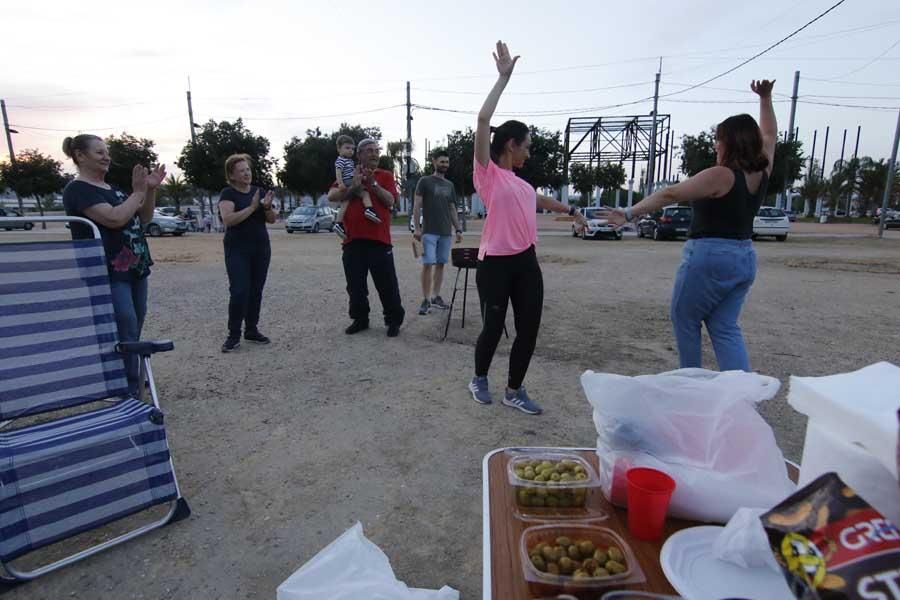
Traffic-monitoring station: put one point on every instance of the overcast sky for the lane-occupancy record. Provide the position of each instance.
(108, 67)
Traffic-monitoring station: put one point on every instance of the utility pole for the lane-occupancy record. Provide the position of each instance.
(809, 171)
(890, 179)
(12, 154)
(191, 118)
(408, 145)
(790, 138)
(822, 173)
(837, 200)
(855, 170)
(650, 163)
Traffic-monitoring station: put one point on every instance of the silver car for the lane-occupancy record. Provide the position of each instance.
(310, 218)
(162, 224)
(10, 225)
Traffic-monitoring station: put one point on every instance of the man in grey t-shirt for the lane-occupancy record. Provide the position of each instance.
(435, 201)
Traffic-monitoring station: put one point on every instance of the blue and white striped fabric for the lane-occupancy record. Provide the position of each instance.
(57, 328)
(78, 473)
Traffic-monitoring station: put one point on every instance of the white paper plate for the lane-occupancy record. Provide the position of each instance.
(690, 567)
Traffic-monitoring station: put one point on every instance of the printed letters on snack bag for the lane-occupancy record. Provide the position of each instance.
(832, 545)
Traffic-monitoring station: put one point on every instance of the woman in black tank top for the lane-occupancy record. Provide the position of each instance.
(719, 263)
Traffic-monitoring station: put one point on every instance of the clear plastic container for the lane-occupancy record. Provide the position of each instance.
(553, 485)
(544, 582)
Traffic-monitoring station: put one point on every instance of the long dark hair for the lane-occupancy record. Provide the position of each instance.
(511, 130)
(742, 139)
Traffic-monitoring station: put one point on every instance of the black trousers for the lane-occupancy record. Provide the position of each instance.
(362, 257)
(247, 266)
(501, 279)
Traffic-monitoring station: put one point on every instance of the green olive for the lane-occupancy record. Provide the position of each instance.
(600, 572)
(538, 561)
(573, 552)
(549, 554)
(563, 541)
(586, 547)
(553, 568)
(615, 554)
(579, 575)
(589, 565)
(566, 565)
(601, 557)
(551, 501)
(563, 477)
(615, 567)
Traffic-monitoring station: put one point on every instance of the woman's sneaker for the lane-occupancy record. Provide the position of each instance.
(231, 344)
(371, 215)
(339, 230)
(423, 308)
(479, 388)
(438, 302)
(256, 336)
(519, 399)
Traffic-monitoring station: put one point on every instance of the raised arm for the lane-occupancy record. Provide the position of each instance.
(505, 65)
(767, 122)
(154, 180)
(233, 217)
(116, 217)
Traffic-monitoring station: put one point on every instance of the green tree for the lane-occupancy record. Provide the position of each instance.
(125, 151)
(609, 176)
(872, 178)
(544, 168)
(203, 161)
(461, 148)
(813, 188)
(34, 175)
(698, 152)
(175, 189)
(787, 165)
(583, 179)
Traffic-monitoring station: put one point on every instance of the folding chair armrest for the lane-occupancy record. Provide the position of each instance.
(145, 348)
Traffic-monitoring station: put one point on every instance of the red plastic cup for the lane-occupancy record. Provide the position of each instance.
(649, 492)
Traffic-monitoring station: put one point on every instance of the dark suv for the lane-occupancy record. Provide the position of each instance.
(668, 223)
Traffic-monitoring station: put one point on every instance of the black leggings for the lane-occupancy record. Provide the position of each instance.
(501, 279)
(247, 266)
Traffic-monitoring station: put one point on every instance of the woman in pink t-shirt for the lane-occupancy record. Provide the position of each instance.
(508, 269)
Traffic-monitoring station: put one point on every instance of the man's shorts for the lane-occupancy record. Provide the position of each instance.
(436, 248)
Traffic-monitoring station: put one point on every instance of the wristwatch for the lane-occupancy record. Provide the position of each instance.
(628, 216)
(459, 231)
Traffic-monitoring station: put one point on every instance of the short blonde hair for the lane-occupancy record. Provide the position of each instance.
(232, 161)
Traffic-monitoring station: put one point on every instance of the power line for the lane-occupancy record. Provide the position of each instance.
(93, 128)
(543, 113)
(309, 117)
(758, 54)
(537, 93)
(849, 105)
(835, 81)
(891, 47)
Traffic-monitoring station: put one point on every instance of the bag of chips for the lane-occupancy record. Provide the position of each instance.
(832, 545)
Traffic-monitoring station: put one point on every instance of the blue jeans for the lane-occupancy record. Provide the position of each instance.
(710, 287)
(129, 300)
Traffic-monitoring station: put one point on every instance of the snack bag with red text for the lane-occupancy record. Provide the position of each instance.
(832, 545)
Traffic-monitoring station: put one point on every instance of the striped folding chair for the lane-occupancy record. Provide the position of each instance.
(64, 471)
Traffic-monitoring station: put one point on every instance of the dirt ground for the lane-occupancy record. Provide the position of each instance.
(280, 448)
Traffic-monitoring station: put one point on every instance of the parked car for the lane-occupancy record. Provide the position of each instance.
(771, 221)
(310, 218)
(890, 217)
(892, 220)
(791, 215)
(162, 224)
(669, 223)
(459, 216)
(10, 225)
(169, 211)
(597, 226)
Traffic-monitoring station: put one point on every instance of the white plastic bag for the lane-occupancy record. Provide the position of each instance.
(349, 568)
(701, 427)
(744, 541)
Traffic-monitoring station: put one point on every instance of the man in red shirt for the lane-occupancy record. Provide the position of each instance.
(368, 248)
